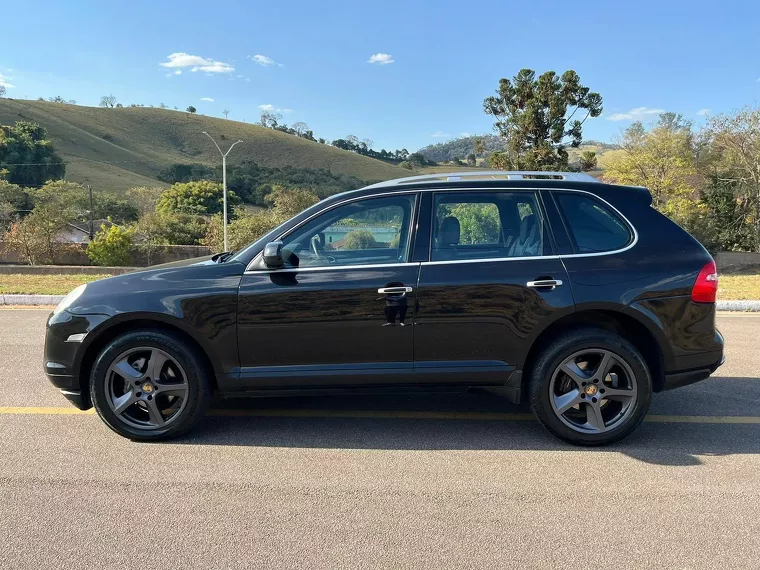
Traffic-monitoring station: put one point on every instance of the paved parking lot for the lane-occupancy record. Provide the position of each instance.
(397, 482)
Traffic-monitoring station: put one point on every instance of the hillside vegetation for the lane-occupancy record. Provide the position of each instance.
(459, 148)
(117, 149)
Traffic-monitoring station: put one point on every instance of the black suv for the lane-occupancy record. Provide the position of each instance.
(550, 288)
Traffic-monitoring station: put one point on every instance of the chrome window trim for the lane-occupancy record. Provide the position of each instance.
(336, 205)
(631, 227)
(328, 267)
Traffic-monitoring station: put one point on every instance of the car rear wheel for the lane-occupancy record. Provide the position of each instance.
(591, 387)
(149, 386)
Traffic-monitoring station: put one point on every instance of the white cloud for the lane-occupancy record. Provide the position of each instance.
(239, 76)
(637, 114)
(264, 60)
(381, 58)
(704, 112)
(268, 107)
(440, 135)
(5, 82)
(465, 134)
(180, 60)
(207, 99)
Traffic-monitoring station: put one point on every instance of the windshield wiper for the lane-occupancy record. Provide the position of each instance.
(222, 257)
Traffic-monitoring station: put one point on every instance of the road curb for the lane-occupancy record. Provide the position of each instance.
(30, 299)
(737, 306)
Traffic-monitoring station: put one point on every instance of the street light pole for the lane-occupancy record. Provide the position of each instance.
(224, 185)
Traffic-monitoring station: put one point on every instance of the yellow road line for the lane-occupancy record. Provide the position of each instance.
(390, 414)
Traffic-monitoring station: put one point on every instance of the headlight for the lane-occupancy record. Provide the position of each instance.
(69, 299)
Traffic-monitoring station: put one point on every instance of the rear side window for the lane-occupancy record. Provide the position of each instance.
(593, 227)
(490, 225)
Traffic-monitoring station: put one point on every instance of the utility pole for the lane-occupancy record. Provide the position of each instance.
(92, 234)
(224, 184)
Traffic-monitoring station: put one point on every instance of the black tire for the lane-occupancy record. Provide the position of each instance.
(562, 348)
(198, 392)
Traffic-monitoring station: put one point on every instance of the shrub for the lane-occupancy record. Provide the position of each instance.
(360, 239)
(110, 246)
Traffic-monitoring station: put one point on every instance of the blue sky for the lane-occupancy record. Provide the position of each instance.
(442, 59)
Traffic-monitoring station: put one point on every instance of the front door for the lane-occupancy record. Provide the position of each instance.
(341, 310)
(492, 283)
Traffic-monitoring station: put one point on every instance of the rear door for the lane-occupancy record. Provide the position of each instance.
(491, 283)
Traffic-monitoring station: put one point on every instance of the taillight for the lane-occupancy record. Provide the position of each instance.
(706, 286)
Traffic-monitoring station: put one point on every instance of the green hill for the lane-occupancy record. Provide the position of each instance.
(116, 149)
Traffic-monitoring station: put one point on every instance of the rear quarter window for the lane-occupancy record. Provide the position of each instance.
(593, 226)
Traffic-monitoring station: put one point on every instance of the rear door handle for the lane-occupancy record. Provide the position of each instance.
(394, 290)
(544, 283)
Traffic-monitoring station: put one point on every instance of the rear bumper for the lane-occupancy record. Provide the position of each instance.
(680, 379)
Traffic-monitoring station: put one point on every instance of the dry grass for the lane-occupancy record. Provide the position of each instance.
(738, 287)
(43, 284)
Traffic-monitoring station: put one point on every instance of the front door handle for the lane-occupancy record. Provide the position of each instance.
(394, 290)
(549, 284)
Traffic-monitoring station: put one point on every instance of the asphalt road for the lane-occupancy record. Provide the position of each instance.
(379, 482)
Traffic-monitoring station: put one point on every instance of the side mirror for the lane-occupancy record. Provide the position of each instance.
(273, 255)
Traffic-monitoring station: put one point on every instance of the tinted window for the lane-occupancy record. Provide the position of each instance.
(593, 226)
(486, 226)
(363, 232)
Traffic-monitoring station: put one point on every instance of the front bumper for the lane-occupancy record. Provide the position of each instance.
(66, 341)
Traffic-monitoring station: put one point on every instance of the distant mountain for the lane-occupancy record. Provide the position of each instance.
(459, 148)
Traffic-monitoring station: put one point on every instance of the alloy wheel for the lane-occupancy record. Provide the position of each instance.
(146, 388)
(593, 391)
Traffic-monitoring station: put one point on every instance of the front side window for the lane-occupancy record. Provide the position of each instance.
(487, 225)
(364, 232)
(593, 227)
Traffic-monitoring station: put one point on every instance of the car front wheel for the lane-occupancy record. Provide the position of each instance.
(591, 387)
(149, 386)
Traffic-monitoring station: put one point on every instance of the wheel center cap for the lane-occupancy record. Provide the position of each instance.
(147, 387)
(591, 390)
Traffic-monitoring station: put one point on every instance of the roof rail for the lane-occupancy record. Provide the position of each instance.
(490, 175)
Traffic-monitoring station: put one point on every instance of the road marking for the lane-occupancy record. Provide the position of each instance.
(51, 411)
(390, 414)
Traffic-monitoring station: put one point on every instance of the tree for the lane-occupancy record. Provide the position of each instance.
(162, 105)
(471, 159)
(145, 198)
(269, 119)
(532, 117)
(36, 237)
(73, 202)
(661, 158)
(2, 90)
(225, 113)
(287, 202)
(191, 109)
(479, 147)
(201, 198)
(27, 156)
(360, 239)
(734, 142)
(587, 160)
(108, 101)
(110, 247)
(300, 128)
(479, 223)
(16, 198)
(241, 231)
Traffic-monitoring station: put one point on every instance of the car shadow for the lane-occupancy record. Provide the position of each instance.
(446, 422)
